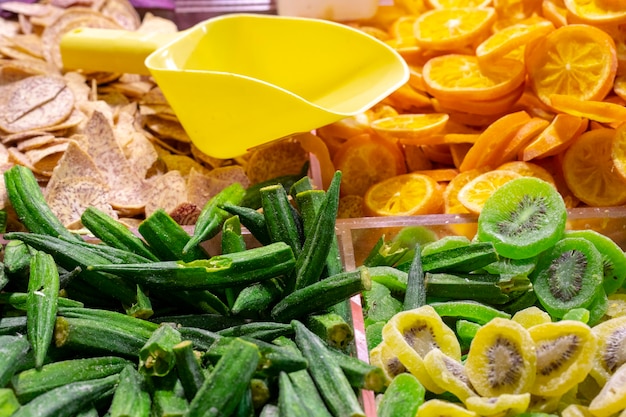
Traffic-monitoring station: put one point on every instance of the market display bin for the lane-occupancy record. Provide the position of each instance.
(357, 237)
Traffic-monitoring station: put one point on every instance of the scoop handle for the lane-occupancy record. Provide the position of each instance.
(110, 50)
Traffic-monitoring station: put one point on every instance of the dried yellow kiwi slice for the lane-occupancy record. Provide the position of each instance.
(531, 316)
(611, 353)
(576, 410)
(384, 358)
(505, 404)
(449, 373)
(440, 408)
(411, 334)
(612, 397)
(565, 353)
(501, 359)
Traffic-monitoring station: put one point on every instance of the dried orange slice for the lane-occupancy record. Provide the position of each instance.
(458, 76)
(619, 86)
(350, 206)
(595, 12)
(600, 111)
(522, 137)
(403, 195)
(439, 174)
(410, 126)
(513, 11)
(450, 29)
(555, 11)
(493, 140)
(452, 205)
(402, 31)
(590, 172)
(497, 106)
(475, 193)
(314, 145)
(577, 60)
(365, 160)
(528, 169)
(406, 98)
(455, 4)
(561, 131)
(618, 150)
(511, 37)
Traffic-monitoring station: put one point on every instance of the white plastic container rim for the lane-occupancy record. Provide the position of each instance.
(336, 10)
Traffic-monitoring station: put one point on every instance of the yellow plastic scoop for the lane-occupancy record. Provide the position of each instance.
(240, 80)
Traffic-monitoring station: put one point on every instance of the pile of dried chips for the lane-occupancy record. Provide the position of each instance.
(102, 139)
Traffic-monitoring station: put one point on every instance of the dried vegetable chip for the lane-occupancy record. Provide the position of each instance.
(69, 199)
(275, 159)
(73, 18)
(167, 192)
(36, 102)
(128, 190)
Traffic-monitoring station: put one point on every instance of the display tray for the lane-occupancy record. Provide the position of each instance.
(358, 236)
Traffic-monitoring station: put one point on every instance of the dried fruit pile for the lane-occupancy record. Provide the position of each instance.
(527, 318)
(536, 83)
(104, 139)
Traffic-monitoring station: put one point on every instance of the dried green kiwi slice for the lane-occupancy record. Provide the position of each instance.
(523, 218)
(565, 353)
(612, 397)
(611, 353)
(449, 373)
(411, 334)
(501, 359)
(505, 404)
(598, 308)
(568, 276)
(436, 407)
(613, 258)
(508, 266)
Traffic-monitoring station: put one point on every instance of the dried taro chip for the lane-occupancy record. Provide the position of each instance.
(76, 17)
(181, 163)
(46, 158)
(282, 157)
(200, 187)
(75, 163)
(128, 191)
(231, 174)
(28, 9)
(169, 129)
(123, 12)
(30, 93)
(68, 199)
(168, 191)
(36, 102)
